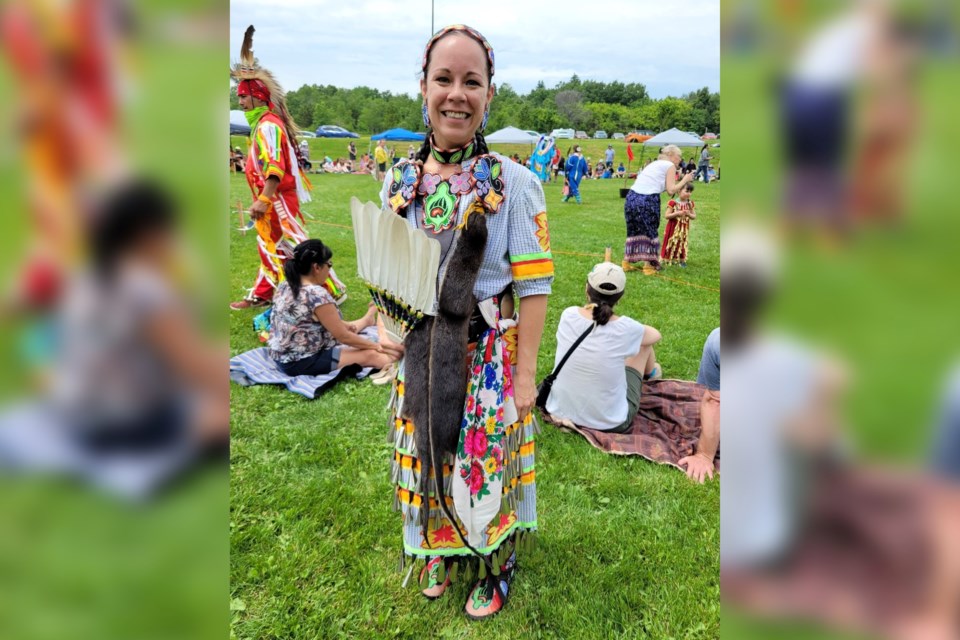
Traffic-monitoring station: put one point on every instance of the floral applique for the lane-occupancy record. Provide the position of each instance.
(405, 177)
(486, 172)
(543, 233)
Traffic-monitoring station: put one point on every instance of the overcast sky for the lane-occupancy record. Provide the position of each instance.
(671, 47)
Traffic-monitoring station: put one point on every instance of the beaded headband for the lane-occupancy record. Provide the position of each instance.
(462, 28)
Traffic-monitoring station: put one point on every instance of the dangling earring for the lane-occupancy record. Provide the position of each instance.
(483, 123)
(426, 116)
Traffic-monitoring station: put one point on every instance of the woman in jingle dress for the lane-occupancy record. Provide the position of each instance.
(490, 483)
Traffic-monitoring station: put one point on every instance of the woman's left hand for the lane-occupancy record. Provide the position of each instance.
(524, 395)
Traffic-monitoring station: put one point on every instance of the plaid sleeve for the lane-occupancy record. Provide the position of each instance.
(270, 141)
(531, 262)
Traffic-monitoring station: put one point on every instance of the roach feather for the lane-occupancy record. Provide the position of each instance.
(246, 50)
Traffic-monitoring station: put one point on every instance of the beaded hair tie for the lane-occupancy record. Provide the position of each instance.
(462, 28)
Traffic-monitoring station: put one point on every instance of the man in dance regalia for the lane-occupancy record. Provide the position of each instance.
(273, 173)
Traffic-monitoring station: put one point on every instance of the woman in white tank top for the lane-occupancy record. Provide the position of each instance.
(642, 209)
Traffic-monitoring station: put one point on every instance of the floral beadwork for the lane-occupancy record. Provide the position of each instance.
(489, 186)
(461, 183)
(428, 183)
(441, 197)
(403, 186)
(543, 232)
(440, 208)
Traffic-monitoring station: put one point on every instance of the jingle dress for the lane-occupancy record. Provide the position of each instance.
(490, 486)
(676, 234)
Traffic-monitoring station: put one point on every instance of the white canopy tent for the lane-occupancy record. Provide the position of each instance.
(511, 135)
(674, 136)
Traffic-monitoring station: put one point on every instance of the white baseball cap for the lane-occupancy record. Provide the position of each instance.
(607, 278)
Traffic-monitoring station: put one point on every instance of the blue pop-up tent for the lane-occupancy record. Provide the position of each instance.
(399, 134)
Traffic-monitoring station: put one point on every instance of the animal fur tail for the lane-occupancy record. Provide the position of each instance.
(437, 372)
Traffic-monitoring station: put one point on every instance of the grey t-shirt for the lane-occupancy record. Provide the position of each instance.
(709, 373)
(704, 157)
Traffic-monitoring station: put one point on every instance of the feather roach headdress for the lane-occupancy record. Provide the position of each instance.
(254, 80)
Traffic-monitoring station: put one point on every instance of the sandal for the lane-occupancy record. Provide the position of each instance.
(489, 596)
(384, 376)
(434, 588)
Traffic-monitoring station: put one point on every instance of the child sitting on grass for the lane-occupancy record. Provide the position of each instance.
(675, 236)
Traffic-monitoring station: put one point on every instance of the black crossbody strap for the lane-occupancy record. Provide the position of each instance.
(573, 347)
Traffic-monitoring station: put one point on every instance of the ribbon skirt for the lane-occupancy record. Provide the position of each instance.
(490, 484)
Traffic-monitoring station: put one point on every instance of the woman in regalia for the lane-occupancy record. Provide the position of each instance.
(489, 476)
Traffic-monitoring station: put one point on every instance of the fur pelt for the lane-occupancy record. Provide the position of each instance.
(436, 366)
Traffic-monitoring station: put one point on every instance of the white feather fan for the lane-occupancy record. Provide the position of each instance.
(399, 265)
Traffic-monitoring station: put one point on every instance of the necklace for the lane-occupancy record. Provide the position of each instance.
(441, 197)
(451, 156)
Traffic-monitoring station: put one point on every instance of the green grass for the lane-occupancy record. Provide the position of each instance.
(626, 548)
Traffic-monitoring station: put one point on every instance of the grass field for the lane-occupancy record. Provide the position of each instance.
(626, 548)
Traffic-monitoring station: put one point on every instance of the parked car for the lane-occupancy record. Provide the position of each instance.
(562, 133)
(600, 135)
(581, 135)
(306, 134)
(333, 131)
(638, 136)
(617, 136)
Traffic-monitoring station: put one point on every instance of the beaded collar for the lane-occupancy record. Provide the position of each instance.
(452, 156)
(440, 197)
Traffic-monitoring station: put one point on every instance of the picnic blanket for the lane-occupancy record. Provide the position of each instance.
(665, 430)
(873, 544)
(257, 367)
(35, 439)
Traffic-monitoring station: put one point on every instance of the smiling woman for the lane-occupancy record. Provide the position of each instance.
(464, 435)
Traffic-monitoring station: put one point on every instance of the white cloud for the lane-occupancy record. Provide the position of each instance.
(671, 47)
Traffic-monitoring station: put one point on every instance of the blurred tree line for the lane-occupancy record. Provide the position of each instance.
(586, 105)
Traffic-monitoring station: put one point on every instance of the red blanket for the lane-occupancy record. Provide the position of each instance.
(666, 428)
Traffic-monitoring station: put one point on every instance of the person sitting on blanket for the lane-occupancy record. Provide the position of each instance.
(134, 372)
(700, 464)
(599, 387)
(309, 336)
